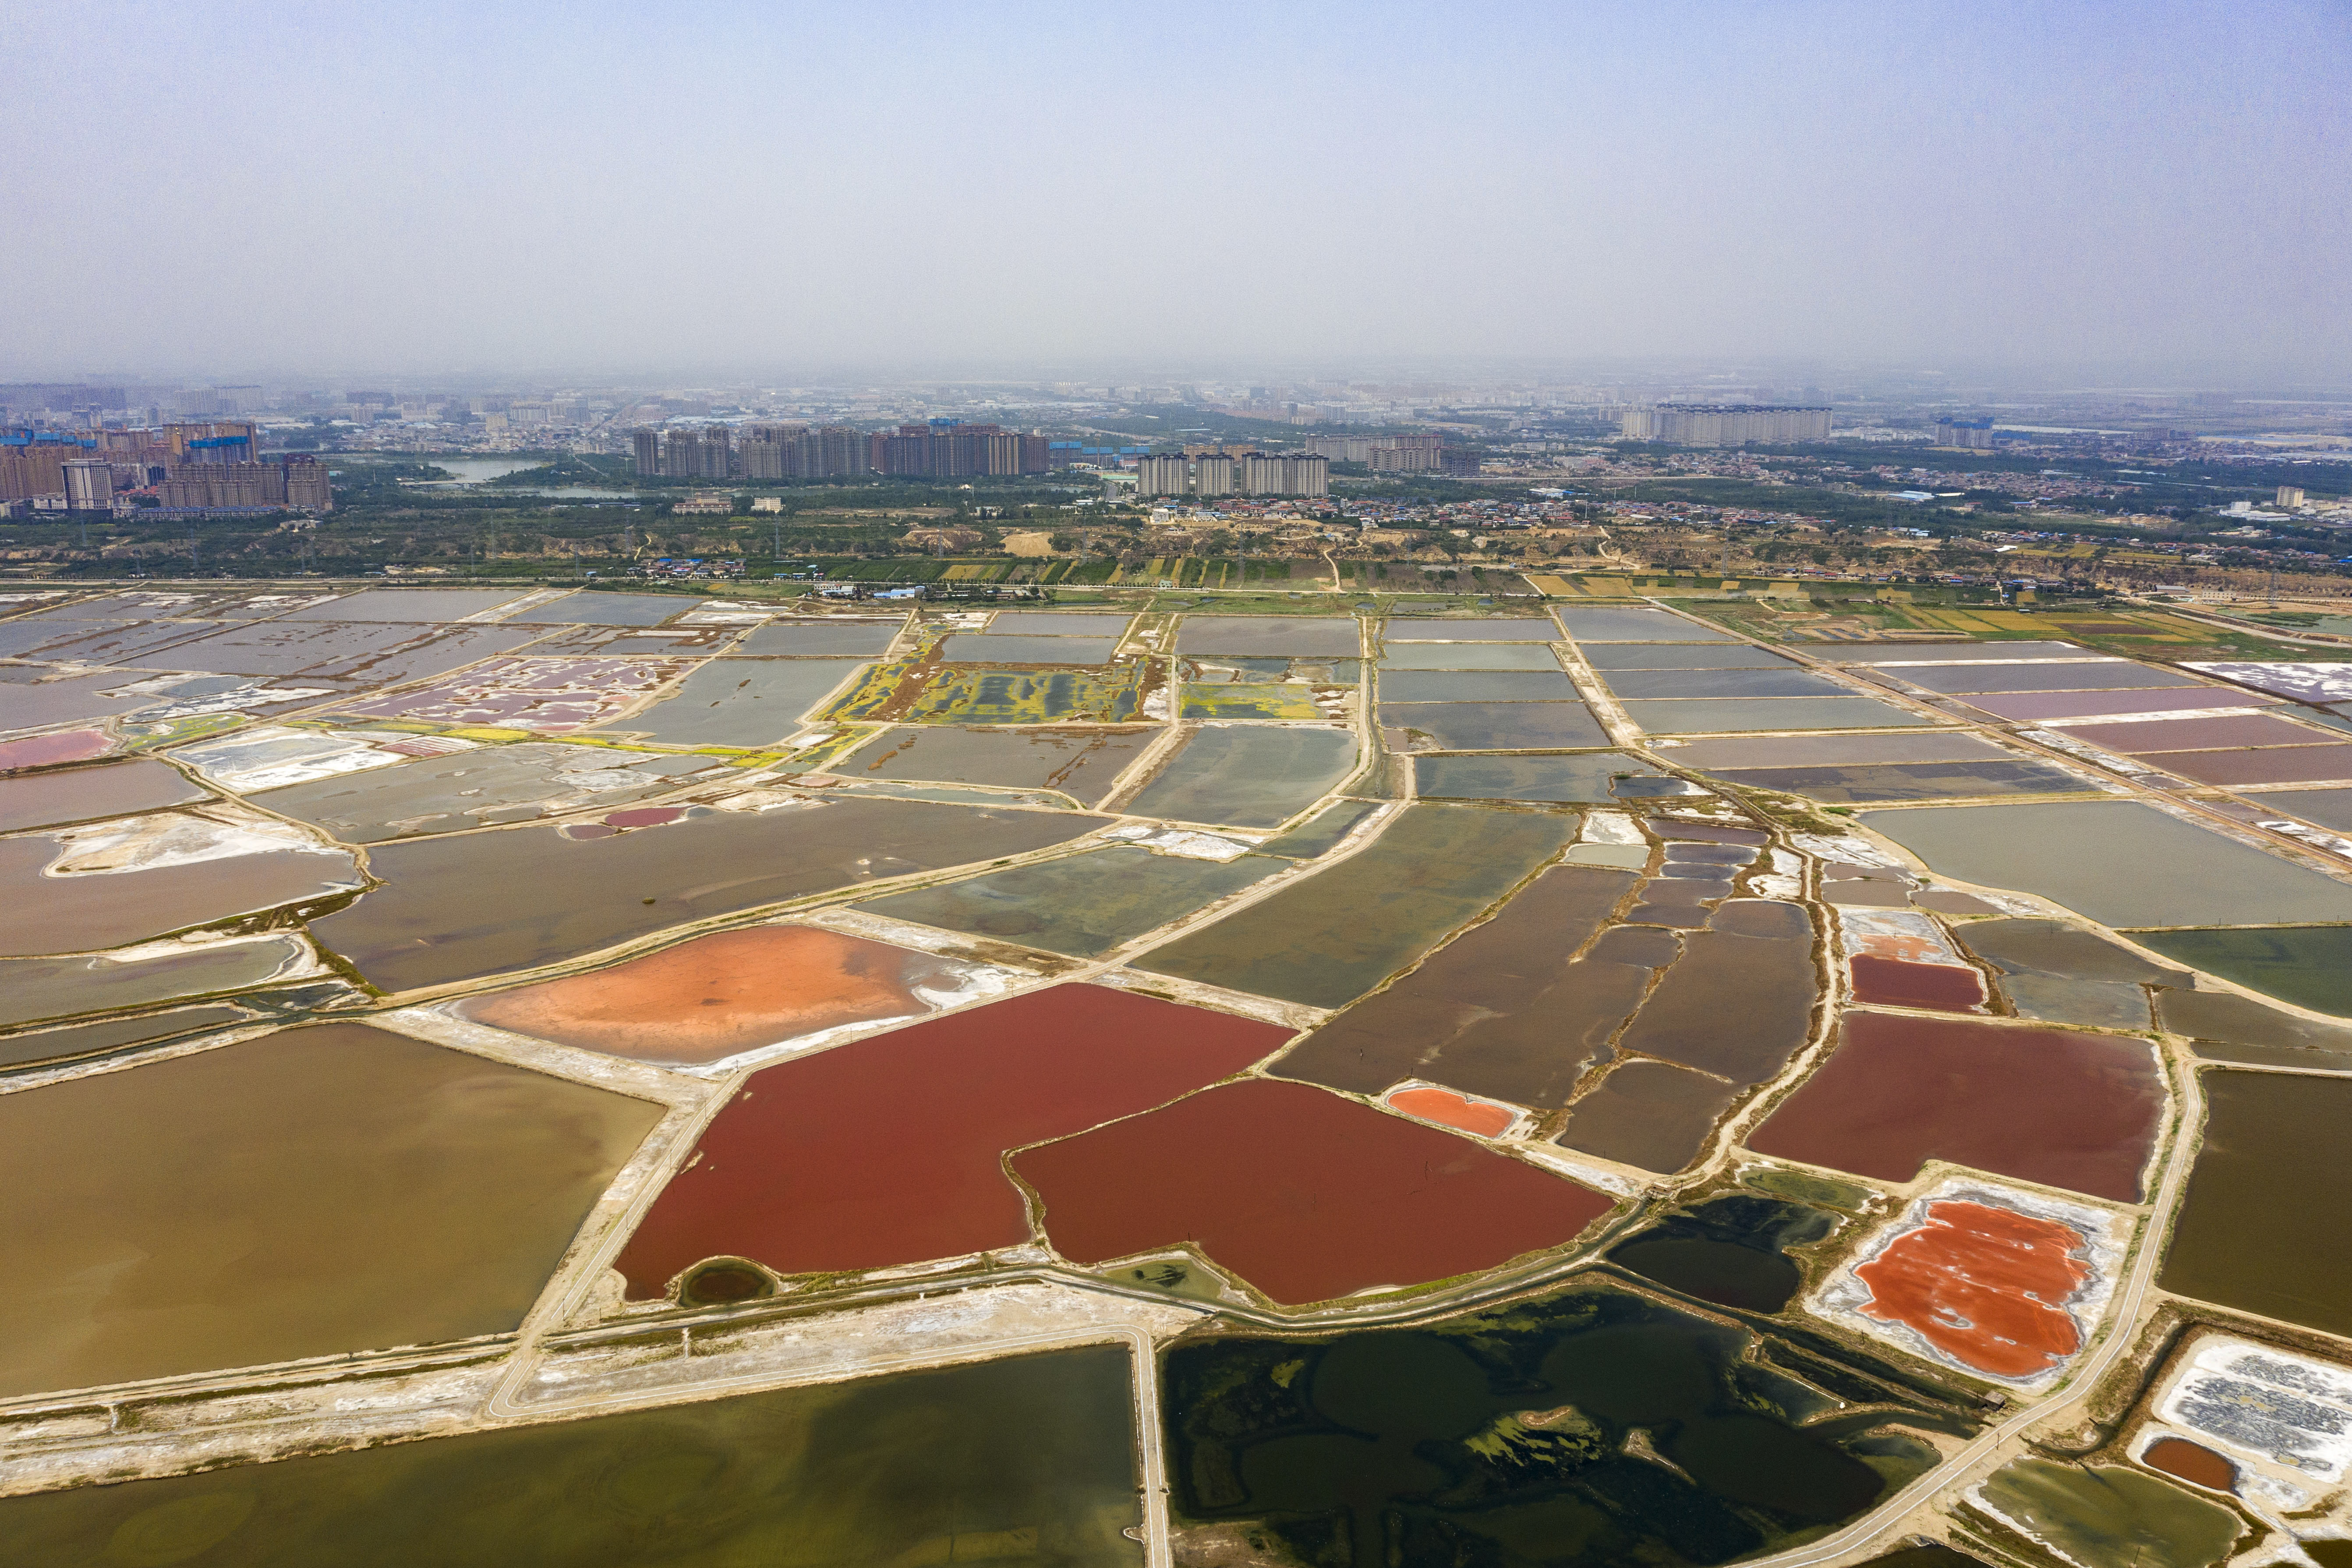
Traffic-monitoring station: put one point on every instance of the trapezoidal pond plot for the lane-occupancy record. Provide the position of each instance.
(2071, 1111)
(1304, 1193)
(320, 1190)
(889, 1151)
(730, 992)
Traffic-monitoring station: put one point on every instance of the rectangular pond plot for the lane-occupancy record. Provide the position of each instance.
(1497, 726)
(49, 1047)
(1703, 716)
(1722, 683)
(462, 908)
(1340, 933)
(2059, 973)
(2117, 675)
(2034, 707)
(377, 655)
(340, 1188)
(1890, 782)
(1249, 776)
(120, 642)
(551, 696)
(1321, 833)
(2071, 1111)
(1293, 703)
(1903, 982)
(2306, 682)
(1536, 1412)
(1060, 624)
(1469, 656)
(1477, 685)
(1517, 628)
(1586, 777)
(1505, 1009)
(989, 648)
(2267, 1225)
(1289, 636)
(912, 1469)
(1082, 905)
(83, 794)
(479, 788)
(2272, 764)
(1305, 1194)
(85, 912)
(1739, 1004)
(1607, 656)
(2120, 862)
(2329, 808)
(594, 608)
(1955, 652)
(2308, 966)
(74, 700)
(2197, 734)
(413, 604)
(720, 995)
(819, 639)
(1653, 1116)
(1632, 625)
(59, 987)
(1084, 764)
(1836, 751)
(740, 702)
(951, 694)
(961, 1090)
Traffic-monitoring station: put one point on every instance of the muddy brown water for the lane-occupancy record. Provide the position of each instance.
(1337, 934)
(50, 1046)
(33, 988)
(316, 1191)
(2267, 1226)
(84, 913)
(721, 994)
(85, 794)
(1082, 762)
(463, 907)
(1502, 1011)
(1739, 1002)
(916, 1468)
(1652, 1115)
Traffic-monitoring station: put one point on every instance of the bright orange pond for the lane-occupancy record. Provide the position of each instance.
(1984, 1285)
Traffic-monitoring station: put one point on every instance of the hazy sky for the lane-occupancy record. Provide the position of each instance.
(217, 189)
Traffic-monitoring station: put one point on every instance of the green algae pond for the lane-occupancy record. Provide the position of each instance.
(1336, 935)
(2104, 1516)
(2310, 966)
(1083, 905)
(1594, 1427)
(1029, 1459)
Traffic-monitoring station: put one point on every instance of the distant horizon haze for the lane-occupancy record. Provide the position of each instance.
(2064, 194)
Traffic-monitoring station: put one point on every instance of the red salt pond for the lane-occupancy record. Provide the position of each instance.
(2069, 1110)
(63, 746)
(2192, 1462)
(890, 1150)
(1304, 1193)
(1984, 1285)
(1448, 1108)
(1897, 982)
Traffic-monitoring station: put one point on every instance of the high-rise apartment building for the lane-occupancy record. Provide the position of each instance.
(1286, 474)
(90, 484)
(1725, 424)
(1223, 474)
(1974, 433)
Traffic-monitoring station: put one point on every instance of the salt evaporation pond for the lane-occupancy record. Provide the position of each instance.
(1247, 775)
(2265, 1227)
(1082, 762)
(85, 794)
(1080, 905)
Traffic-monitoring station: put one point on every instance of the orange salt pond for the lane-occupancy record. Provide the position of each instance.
(733, 990)
(1448, 1108)
(2192, 1462)
(1984, 1285)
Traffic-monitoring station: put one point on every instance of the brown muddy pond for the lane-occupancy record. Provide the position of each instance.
(1653, 1116)
(1341, 932)
(103, 1038)
(461, 906)
(480, 788)
(83, 913)
(316, 1191)
(2267, 1226)
(1505, 1010)
(85, 794)
(1082, 762)
(729, 991)
(32, 988)
(1081, 905)
(1027, 1459)
(1741, 1001)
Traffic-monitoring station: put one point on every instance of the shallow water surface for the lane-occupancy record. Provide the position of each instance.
(2267, 1226)
(1082, 905)
(1249, 776)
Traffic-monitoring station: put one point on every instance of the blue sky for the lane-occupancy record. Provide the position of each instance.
(920, 188)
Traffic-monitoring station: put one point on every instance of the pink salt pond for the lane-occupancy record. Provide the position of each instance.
(1485, 1118)
(60, 746)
